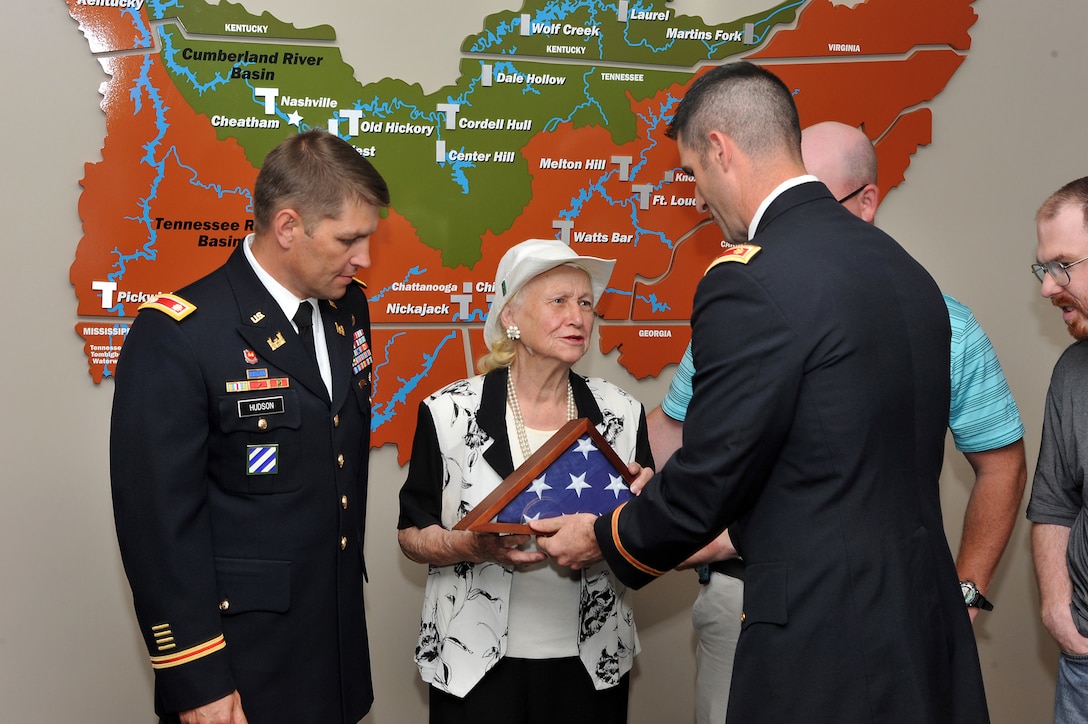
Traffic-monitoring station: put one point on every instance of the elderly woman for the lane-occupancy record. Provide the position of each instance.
(507, 634)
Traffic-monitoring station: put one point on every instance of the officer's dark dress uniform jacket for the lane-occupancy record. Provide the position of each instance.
(240, 498)
(816, 433)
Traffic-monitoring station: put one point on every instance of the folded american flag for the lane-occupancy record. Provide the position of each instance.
(580, 480)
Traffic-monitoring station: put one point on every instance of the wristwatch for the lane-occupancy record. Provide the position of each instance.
(973, 597)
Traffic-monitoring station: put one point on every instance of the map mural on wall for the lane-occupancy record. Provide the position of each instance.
(555, 127)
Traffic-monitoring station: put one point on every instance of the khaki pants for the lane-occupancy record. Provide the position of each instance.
(716, 618)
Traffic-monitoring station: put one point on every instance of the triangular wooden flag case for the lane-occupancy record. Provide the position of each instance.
(581, 481)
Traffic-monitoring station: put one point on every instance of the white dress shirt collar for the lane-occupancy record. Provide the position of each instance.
(779, 190)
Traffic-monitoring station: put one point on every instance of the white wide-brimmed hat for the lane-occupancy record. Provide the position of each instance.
(527, 260)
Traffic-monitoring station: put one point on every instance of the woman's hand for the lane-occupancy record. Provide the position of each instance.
(503, 549)
(440, 547)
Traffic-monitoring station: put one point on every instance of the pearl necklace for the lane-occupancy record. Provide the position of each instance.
(519, 422)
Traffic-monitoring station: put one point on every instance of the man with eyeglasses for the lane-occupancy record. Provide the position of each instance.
(1057, 508)
(983, 417)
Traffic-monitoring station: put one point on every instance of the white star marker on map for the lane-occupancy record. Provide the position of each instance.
(578, 484)
(295, 118)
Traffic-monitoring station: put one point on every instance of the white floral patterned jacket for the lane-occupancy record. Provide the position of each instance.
(460, 454)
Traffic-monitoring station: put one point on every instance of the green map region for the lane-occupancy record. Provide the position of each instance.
(555, 128)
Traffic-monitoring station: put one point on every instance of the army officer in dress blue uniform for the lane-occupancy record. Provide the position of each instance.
(815, 435)
(238, 456)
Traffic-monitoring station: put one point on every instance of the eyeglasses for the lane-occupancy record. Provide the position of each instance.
(852, 194)
(1057, 270)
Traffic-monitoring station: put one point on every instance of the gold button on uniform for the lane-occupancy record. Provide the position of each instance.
(262, 424)
(340, 460)
(336, 421)
(224, 604)
(742, 616)
(344, 502)
(343, 542)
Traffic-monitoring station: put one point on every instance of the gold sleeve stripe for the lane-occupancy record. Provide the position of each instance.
(189, 655)
(623, 551)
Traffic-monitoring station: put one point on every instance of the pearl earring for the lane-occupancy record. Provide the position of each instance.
(512, 332)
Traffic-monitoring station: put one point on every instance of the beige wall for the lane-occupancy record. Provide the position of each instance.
(1008, 130)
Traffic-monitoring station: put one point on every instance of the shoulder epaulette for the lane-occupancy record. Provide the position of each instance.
(171, 305)
(359, 281)
(742, 253)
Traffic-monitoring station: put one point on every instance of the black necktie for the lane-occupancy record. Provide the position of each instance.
(304, 320)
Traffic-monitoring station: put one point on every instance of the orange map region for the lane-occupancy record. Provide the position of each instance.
(645, 350)
(899, 143)
(426, 360)
(399, 264)
(107, 29)
(872, 27)
(421, 355)
(102, 342)
(693, 256)
(902, 84)
(152, 222)
(407, 286)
